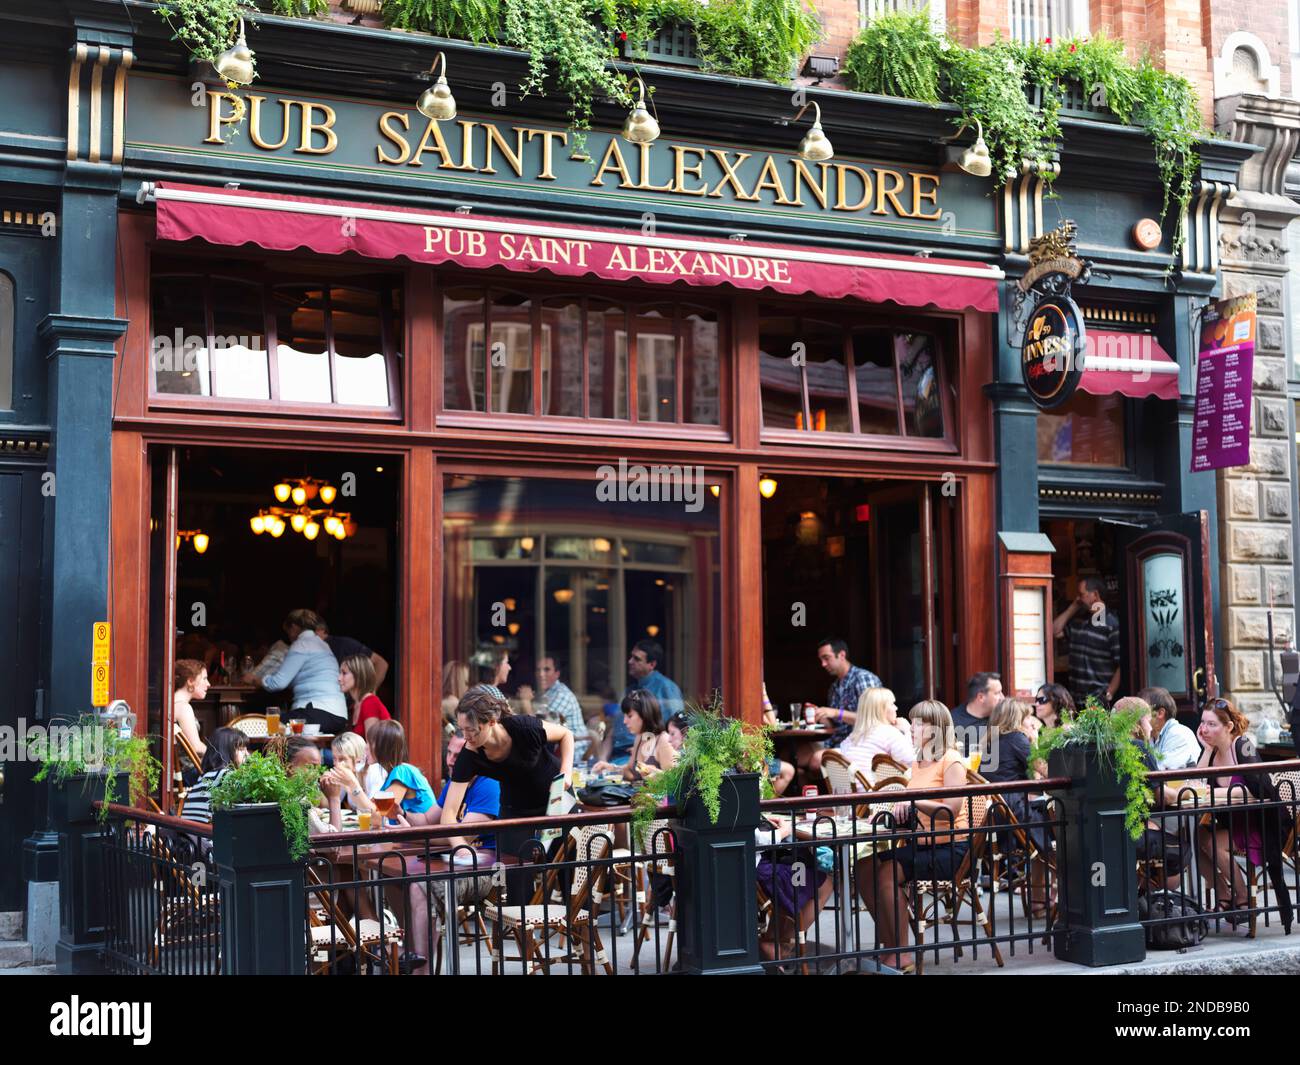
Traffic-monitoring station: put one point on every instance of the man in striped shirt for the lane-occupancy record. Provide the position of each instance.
(556, 699)
(1093, 639)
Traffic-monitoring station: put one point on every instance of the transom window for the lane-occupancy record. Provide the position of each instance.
(510, 351)
(277, 334)
(826, 376)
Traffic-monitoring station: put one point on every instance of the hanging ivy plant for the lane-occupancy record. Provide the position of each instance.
(208, 27)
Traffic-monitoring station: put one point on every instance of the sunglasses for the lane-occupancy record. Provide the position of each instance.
(1041, 700)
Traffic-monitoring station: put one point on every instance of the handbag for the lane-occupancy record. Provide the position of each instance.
(1177, 935)
(606, 795)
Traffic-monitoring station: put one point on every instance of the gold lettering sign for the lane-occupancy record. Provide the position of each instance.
(403, 139)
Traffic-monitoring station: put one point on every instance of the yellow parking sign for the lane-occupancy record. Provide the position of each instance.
(99, 684)
(100, 633)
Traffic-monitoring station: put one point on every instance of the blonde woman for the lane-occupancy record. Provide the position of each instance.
(353, 771)
(878, 730)
(883, 879)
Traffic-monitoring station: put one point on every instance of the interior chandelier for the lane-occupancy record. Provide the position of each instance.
(300, 517)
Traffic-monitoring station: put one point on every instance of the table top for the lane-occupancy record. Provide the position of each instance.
(804, 733)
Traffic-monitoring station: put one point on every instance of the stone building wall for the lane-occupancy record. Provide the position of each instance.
(1256, 501)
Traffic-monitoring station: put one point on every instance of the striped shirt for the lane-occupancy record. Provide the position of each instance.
(1094, 654)
(559, 700)
(198, 800)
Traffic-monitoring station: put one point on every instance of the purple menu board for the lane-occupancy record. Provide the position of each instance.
(1221, 430)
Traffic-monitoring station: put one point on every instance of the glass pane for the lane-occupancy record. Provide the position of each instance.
(873, 368)
(922, 400)
(606, 360)
(1165, 629)
(599, 548)
(511, 353)
(239, 362)
(562, 358)
(781, 376)
(1087, 431)
(360, 369)
(6, 342)
(505, 618)
(828, 386)
(658, 554)
(577, 605)
(700, 363)
(179, 343)
(501, 548)
(462, 349)
(300, 344)
(656, 365)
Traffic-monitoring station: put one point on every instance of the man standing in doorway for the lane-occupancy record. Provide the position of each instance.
(643, 668)
(971, 719)
(1094, 644)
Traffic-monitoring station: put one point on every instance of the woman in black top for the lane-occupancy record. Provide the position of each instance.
(514, 750)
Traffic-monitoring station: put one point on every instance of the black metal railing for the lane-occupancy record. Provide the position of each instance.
(859, 881)
(1218, 853)
(162, 913)
(572, 894)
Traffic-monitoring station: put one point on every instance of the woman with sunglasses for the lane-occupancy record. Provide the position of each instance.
(1051, 704)
(651, 747)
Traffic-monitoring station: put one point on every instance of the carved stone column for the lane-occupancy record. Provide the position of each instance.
(1255, 501)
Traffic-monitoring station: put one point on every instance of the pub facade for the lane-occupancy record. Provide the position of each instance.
(472, 386)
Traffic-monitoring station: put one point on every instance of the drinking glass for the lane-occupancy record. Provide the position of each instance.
(296, 725)
(363, 820)
(273, 722)
(795, 709)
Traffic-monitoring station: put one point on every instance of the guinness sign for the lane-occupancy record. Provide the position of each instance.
(1051, 353)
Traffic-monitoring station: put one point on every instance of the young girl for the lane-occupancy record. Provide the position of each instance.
(357, 679)
(403, 781)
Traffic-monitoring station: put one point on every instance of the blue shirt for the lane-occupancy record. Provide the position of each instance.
(663, 689)
(312, 670)
(419, 796)
(844, 695)
(482, 797)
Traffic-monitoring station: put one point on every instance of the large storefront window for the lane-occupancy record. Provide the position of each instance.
(1087, 431)
(249, 332)
(594, 358)
(544, 567)
(833, 377)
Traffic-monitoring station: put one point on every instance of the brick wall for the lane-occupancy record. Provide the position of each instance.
(1266, 19)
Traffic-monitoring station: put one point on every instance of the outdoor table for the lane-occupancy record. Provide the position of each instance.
(792, 734)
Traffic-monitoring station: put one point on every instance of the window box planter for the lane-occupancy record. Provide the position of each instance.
(738, 800)
(1076, 102)
(249, 834)
(673, 45)
(73, 801)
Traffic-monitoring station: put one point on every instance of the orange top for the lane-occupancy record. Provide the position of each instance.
(931, 775)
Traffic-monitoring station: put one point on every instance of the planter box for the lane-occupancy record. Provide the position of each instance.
(737, 806)
(1076, 102)
(73, 801)
(674, 44)
(249, 836)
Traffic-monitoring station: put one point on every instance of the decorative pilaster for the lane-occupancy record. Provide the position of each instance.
(1255, 501)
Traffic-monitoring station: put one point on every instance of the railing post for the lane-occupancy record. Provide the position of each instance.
(717, 909)
(263, 911)
(81, 867)
(1098, 865)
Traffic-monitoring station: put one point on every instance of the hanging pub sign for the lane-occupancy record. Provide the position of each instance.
(1224, 368)
(1054, 338)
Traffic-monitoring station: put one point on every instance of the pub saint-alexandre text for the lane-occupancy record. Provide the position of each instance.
(405, 139)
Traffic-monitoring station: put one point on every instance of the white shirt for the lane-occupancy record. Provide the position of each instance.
(1176, 747)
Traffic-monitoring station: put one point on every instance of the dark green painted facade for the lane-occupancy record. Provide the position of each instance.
(54, 548)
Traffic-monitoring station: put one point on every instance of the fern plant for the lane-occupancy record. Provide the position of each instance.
(753, 38)
(1112, 733)
(464, 20)
(715, 745)
(897, 55)
(88, 747)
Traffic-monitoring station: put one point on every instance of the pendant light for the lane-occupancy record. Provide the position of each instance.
(767, 486)
(640, 127)
(235, 64)
(815, 146)
(975, 159)
(437, 102)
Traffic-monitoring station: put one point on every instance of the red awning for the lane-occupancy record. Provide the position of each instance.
(1131, 364)
(332, 227)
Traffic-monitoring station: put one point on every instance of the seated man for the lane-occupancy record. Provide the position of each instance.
(1173, 744)
(848, 682)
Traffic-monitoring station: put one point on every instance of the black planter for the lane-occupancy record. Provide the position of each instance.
(1097, 863)
(249, 835)
(81, 868)
(263, 905)
(717, 918)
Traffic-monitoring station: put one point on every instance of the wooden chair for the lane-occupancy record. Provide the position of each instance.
(788, 933)
(188, 911)
(332, 935)
(840, 776)
(939, 901)
(1025, 844)
(249, 724)
(882, 765)
(665, 863)
(532, 925)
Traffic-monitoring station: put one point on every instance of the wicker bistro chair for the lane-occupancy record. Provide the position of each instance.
(332, 935)
(1288, 788)
(665, 863)
(574, 921)
(249, 724)
(883, 766)
(840, 776)
(188, 915)
(939, 902)
(1025, 844)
